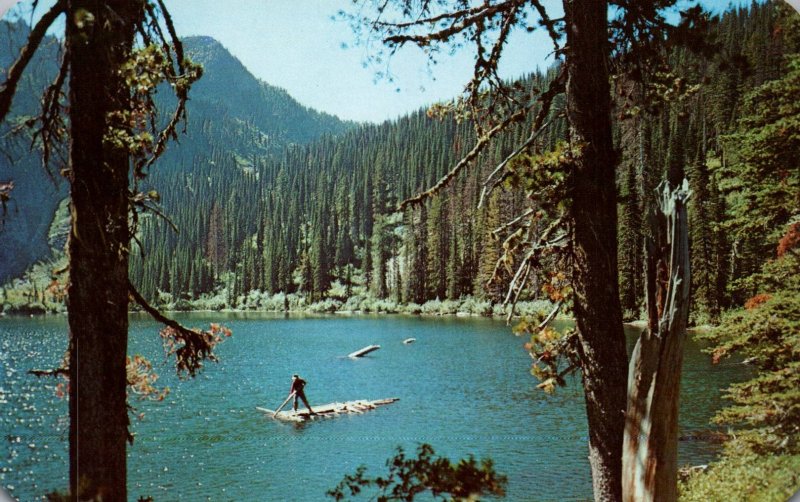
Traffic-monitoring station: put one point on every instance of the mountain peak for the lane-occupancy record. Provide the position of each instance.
(239, 95)
(201, 40)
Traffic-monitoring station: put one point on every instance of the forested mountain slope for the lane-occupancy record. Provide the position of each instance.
(230, 110)
(321, 220)
(23, 227)
(260, 209)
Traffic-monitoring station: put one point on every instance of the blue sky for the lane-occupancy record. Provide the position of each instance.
(296, 45)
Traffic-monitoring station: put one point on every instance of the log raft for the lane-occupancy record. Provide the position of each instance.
(328, 410)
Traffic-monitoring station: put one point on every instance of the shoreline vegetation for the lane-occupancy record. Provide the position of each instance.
(256, 301)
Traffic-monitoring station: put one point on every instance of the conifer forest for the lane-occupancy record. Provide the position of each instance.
(556, 196)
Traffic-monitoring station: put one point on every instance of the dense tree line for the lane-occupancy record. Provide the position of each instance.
(327, 212)
(695, 137)
(324, 213)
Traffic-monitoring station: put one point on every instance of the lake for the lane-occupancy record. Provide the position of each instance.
(464, 387)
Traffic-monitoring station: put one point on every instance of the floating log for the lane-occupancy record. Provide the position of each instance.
(366, 350)
(328, 410)
(409, 340)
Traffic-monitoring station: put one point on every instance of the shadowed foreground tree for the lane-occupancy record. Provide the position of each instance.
(571, 211)
(115, 54)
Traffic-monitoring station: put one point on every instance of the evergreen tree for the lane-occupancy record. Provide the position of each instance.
(763, 188)
(631, 242)
(490, 252)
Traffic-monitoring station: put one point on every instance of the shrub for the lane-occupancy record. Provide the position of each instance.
(354, 303)
(748, 477)
(476, 306)
(327, 305)
(768, 335)
(274, 303)
(432, 307)
(500, 310)
(164, 300)
(337, 290)
(534, 308)
(385, 306)
(409, 477)
(448, 307)
(413, 308)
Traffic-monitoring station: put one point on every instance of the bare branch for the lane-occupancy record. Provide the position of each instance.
(157, 315)
(480, 12)
(468, 19)
(546, 99)
(158, 213)
(518, 292)
(517, 283)
(513, 222)
(548, 23)
(166, 133)
(156, 27)
(515, 286)
(181, 90)
(477, 149)
(51, 129)
(486, 190)
(190, 346)
(551, 315)
(176, 41)
(509, 19)
(9, 87)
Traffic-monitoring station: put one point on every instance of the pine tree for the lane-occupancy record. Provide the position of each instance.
(490, 252)
(438, 233)
(631, 242)
(701, 242)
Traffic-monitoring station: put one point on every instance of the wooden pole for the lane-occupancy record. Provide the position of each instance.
(283, 404)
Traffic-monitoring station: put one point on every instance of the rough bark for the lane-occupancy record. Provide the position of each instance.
(594, 218)
(99, 38)
(650, 450)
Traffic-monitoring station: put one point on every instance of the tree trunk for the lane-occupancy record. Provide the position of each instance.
(650, 461)
(99, 40)
(594, 220)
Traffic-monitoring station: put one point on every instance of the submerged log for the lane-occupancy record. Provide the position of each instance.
(328, 410)
(362, 352)
(650, 454)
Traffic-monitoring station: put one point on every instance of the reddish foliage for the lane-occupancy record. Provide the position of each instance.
(790, 240)
(756, 301)
(192, 346)
(141, 379)
(557, 288)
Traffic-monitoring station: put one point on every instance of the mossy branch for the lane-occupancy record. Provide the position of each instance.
(9, 87)
(190, 346)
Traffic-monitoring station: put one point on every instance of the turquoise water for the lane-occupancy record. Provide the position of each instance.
(464, 387)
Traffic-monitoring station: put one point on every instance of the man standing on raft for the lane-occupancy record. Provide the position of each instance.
(298, 384)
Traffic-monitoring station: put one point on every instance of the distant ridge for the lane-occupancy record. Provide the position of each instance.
(230, 112)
